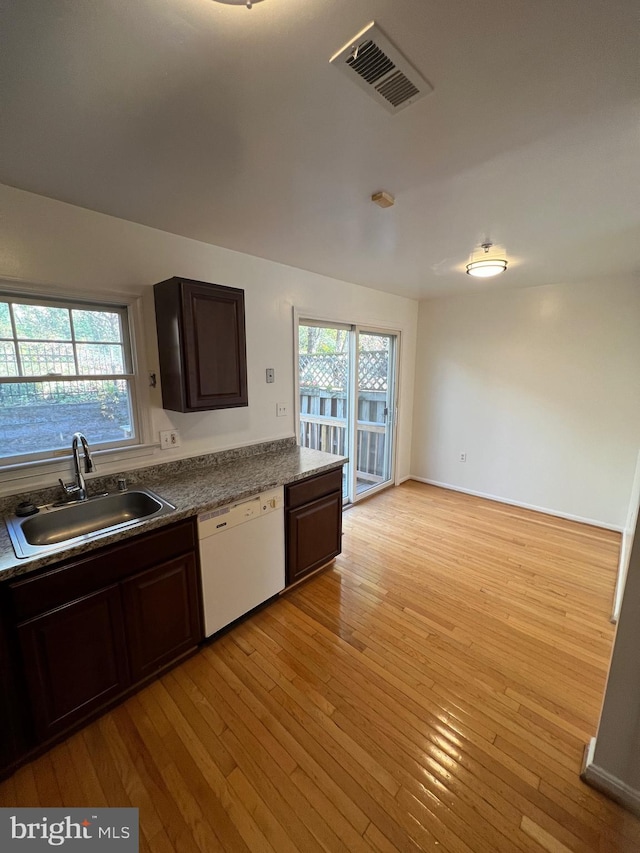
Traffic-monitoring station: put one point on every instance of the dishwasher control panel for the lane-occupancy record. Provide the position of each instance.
(231, 515)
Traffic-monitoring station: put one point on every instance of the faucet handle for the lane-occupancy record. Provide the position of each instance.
(69, 488)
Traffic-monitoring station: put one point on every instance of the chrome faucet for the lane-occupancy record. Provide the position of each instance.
(78, 489)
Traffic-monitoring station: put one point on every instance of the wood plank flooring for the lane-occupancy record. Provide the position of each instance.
(433, 690)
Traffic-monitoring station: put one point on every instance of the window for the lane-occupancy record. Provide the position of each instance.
(64, 366)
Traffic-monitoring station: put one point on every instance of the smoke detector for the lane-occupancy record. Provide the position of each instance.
(371, 61)
(383, 199)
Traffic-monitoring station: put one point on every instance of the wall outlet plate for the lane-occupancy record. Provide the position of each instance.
(271, 374)
(169, 438)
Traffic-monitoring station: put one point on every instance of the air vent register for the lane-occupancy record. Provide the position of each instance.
(371, 61)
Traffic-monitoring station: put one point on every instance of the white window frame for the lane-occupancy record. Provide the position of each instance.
(35, 469)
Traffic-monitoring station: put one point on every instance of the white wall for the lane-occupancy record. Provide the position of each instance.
(614, 764)
(57, 244)
(541, 388)
(628, 535)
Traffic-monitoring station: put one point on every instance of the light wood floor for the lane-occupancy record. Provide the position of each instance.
(433, 690)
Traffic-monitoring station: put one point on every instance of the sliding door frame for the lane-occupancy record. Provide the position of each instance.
(299, 315)
(391, 427)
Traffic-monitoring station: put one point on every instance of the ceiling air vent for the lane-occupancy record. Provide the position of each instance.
(371, 61)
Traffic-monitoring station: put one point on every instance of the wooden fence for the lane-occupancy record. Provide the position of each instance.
(323, 426)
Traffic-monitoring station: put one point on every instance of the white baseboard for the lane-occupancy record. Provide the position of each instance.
(607, 784)
(593, 522)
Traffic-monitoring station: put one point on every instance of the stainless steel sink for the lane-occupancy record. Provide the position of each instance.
(57, 526)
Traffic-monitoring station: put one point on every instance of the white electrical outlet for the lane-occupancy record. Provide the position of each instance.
(169, 438)
(463, 456)
(282, 410)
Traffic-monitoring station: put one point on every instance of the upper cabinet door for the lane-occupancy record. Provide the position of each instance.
(202, 345)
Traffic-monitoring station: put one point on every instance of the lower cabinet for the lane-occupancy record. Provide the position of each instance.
(87, 632)
(313, 519)
(10, 702)
(161, 611)
(74, 660)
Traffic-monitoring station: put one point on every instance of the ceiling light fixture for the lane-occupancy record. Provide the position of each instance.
(247, 3)
(486, 267)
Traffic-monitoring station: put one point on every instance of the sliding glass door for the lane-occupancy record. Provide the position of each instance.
(323, 383)
(375, 392)
(347, 387)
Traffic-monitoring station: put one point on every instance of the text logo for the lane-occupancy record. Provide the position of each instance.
(104, 830)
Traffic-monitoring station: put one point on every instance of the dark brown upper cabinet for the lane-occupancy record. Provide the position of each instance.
(202, 345)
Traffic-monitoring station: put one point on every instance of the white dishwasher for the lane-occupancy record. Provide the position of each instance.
(241, 556)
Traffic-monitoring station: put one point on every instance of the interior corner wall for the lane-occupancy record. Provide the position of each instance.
(628, 537)
(59, 245)
(540, 388)
(616, 758)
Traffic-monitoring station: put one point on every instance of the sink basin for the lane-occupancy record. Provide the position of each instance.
(58, 526)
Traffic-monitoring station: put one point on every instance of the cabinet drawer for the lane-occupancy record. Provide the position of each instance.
(75, 578)
(313, 488)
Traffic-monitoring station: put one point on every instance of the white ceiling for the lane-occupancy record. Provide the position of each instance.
(230, 126)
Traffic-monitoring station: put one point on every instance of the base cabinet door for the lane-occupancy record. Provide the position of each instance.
(161, 613)
(314, 533)
(9, 704)
(74, 660)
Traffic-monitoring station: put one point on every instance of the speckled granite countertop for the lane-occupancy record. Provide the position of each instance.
(191, 485)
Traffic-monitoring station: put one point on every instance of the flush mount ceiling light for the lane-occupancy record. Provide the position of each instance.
(247, 3)
(486, 267)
